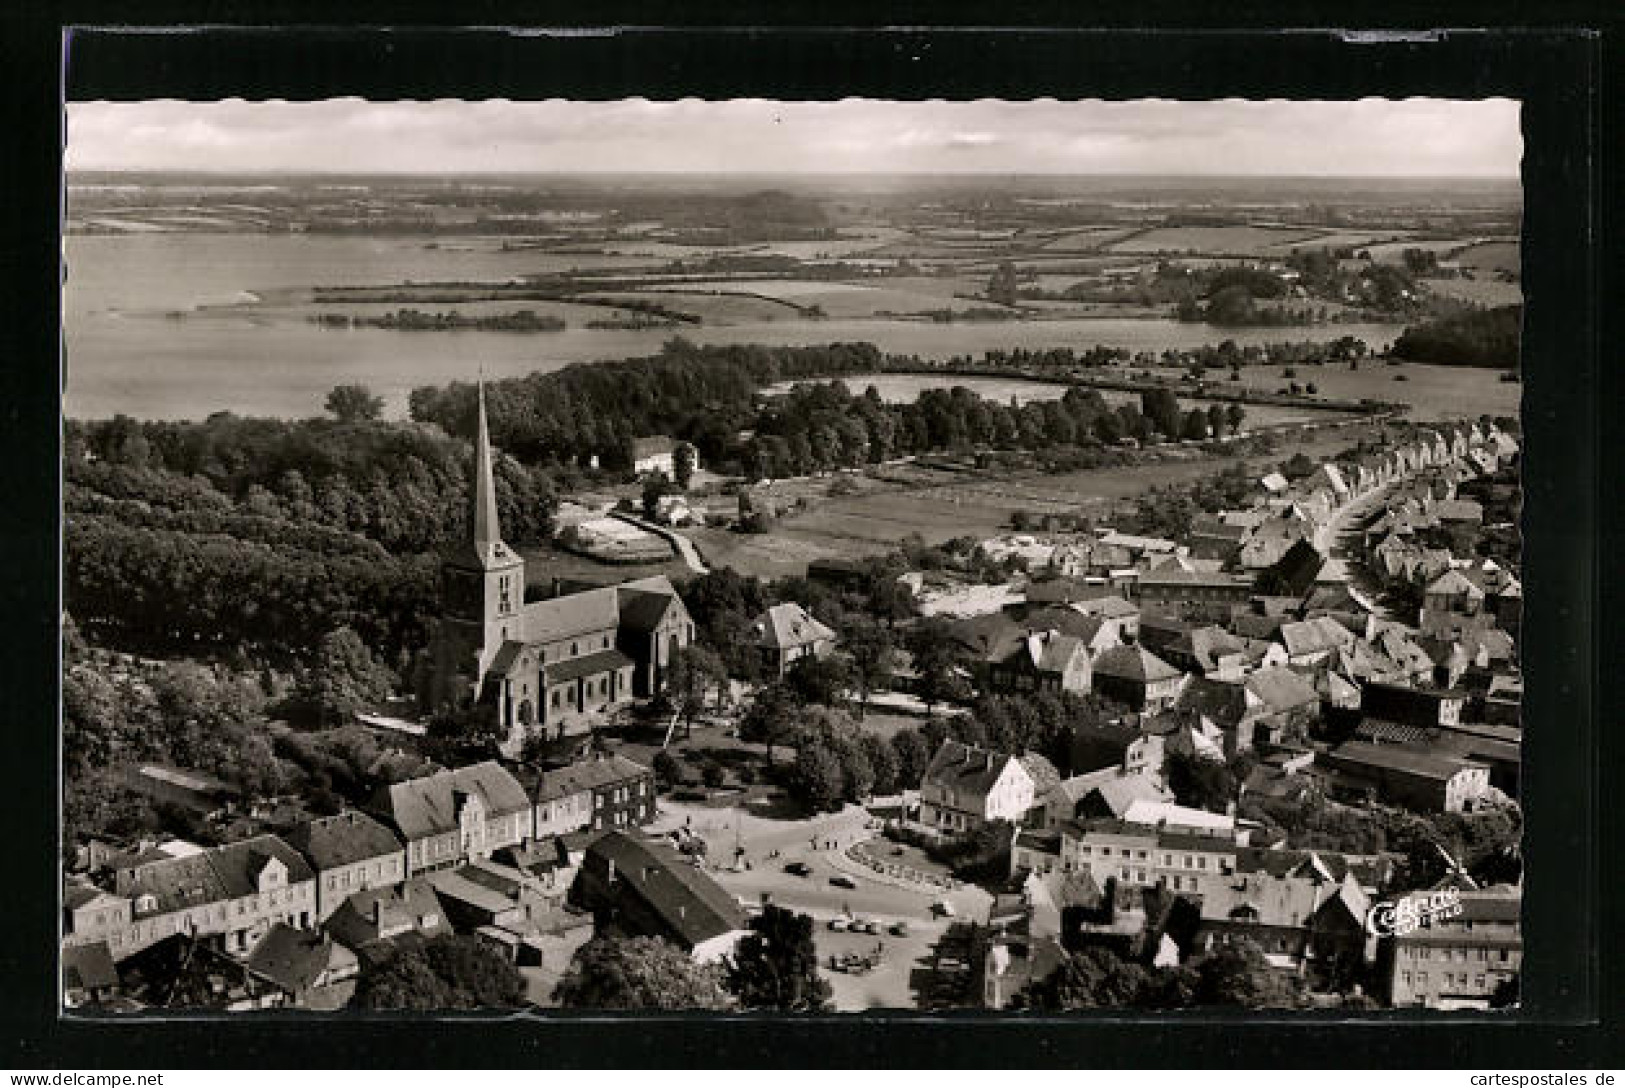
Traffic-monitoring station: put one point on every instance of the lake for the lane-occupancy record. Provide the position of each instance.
(124, 355)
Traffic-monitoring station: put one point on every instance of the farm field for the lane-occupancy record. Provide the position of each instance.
(906, 388)
(1482, 291)
(940, 506)
(1434, 392)
(1491, 257)
(1237, 239)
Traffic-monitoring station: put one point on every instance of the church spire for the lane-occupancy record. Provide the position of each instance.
(484, 531)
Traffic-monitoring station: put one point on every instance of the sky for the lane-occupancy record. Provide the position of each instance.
(1366, 138)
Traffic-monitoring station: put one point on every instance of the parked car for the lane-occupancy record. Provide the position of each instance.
(837, 925)
(798, 868)
(841, 880)
(942, 909)
(899, 929)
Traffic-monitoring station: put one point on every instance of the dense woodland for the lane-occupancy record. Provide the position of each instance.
(1475, 337)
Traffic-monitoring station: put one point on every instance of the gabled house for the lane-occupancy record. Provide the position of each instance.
(785, 634)
(1136, 677)
(447, 818)
(1310, 642)
(349, 852)
(645, 888)
(304, 969)
(965, 787)
(1044, 661)
(598, 793)
(1208, 651)
(233, 893)
(375, 921)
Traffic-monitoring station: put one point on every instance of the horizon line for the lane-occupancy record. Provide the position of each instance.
(476, 172)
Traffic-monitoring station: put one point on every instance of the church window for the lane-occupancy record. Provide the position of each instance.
(574, 649)
(503, 597)
(555, 700)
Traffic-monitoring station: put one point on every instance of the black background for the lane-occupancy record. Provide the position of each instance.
(1572, 972)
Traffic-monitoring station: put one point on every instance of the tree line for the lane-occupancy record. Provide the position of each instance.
(1475, 337)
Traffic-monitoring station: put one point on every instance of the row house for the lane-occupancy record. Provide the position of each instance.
(1459, 962)
(601, 793)
(1146, 856)
(235, 892)
(350, 853)
(454, 816)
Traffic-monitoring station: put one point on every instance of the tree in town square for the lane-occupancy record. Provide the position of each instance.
(775, 965)
(639, 973)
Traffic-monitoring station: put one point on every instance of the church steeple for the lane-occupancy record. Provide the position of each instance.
(485, 533)
(480, 546)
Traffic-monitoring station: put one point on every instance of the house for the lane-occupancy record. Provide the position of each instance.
(1107, 792)
(1209, 651)
(88, 975)
(308, 970)
(1416, 706)
(376, 921)
(1312, 641)
(674, 510)
(785, 634)
(965, 787)
(235, 892)
(1141, 855)
(658, 453)
(1461, 961)
(1115, 610)
(350, 852)
(1213, 538)
(599, 793)
(550, 667)
(1302, 916)
(1044, 661)
(1417, 779)
(1294, 573)
(451, 816)
(1136, 677)
(1453, 591)
(1023, 943)
(1138, 547)
(1195, 591)
(645, 888)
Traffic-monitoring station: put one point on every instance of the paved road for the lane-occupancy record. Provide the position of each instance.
(895, 982)
(686, 551)
(1341, 535)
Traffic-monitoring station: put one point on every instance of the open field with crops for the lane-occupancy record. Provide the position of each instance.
(1227, 239)
(940, 505)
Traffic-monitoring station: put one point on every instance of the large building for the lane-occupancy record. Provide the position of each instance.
(549, 668)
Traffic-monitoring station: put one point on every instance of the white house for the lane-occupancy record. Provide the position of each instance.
(965, 787)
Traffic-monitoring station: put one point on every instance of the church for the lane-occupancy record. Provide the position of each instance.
(550, 668)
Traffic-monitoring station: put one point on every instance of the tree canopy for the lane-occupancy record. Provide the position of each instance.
(640, 973)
